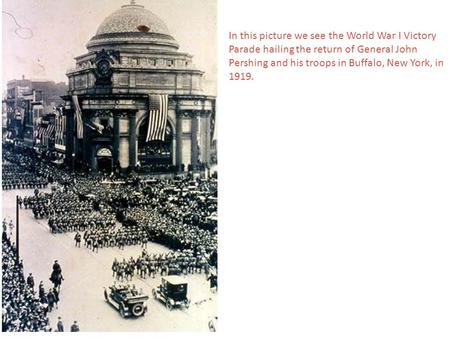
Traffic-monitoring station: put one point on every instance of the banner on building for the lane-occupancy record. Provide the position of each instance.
(78, 117)
(157, 117)
(60, 128)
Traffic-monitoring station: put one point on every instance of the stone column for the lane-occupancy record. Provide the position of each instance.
(132, 139)
(124, 158)
(174, 153)
(124, 144)
(116, 137)
(208, 138)
(178, 142)
(93, 159)
(194, 139)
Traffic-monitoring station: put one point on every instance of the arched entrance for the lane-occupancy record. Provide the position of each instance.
(155, 153)
(104, 160)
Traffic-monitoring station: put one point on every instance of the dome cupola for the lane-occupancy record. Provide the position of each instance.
(132, 26)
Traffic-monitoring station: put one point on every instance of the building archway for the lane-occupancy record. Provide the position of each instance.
(104, 160)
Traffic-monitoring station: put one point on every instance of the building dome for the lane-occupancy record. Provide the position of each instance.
(132, 26)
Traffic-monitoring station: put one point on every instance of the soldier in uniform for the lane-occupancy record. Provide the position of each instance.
(59, 325)
(77, 239)
(56, 293)
(95, 244)
(74, 327)
(50, 300)
(115, 266)
(57, 267)
(41, 290)
(30, 281)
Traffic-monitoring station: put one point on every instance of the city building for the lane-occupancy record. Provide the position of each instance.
(26, 102)
(135, 101)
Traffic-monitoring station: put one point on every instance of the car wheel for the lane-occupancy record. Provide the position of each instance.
(169, 305)
(137, 310)
(106, 295)
(187, 302)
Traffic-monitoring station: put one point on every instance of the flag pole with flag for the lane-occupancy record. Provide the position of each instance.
(157, 117)
(78, 117)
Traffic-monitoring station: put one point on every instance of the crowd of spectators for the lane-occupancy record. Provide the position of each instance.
(32, 163)
(177, 212)
(22, 309)
(175, 236)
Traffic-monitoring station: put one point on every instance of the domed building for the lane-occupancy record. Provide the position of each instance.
(135, 101)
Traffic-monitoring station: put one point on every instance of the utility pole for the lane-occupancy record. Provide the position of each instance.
(17, 226)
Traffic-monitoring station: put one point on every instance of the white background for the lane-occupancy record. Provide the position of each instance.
(335, 184)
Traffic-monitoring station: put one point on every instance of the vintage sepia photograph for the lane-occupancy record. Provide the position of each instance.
(109, 166)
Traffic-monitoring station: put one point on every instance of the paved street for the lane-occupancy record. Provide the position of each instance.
(86, 274)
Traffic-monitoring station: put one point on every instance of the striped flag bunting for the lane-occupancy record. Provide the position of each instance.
(78, 117)
(57, 128)
(50, 131)
(157, 115)
(40, 132)
(60, 129)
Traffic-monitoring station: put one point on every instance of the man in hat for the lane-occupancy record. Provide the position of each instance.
(60, 325)
(41, 290)
(30, 281)
(74, 327)
(50, 300)
(78, 239)
(57, 267)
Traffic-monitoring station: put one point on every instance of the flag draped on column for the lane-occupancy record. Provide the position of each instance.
(157, 117)
(60, 128)
(78, 117)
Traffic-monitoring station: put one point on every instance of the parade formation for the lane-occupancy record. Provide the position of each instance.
(102, 212)
(110, 188)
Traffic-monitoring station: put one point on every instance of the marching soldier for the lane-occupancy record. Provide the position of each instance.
(57, 267)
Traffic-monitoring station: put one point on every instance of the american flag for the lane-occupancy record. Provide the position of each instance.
(49, 132)
(60, 128)
(157, 115)
(78, 117)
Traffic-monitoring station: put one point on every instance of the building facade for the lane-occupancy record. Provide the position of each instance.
(131, 59)
(26, 103)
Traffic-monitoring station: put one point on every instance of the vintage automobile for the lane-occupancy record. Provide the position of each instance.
(126, 300)
(172, 292)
